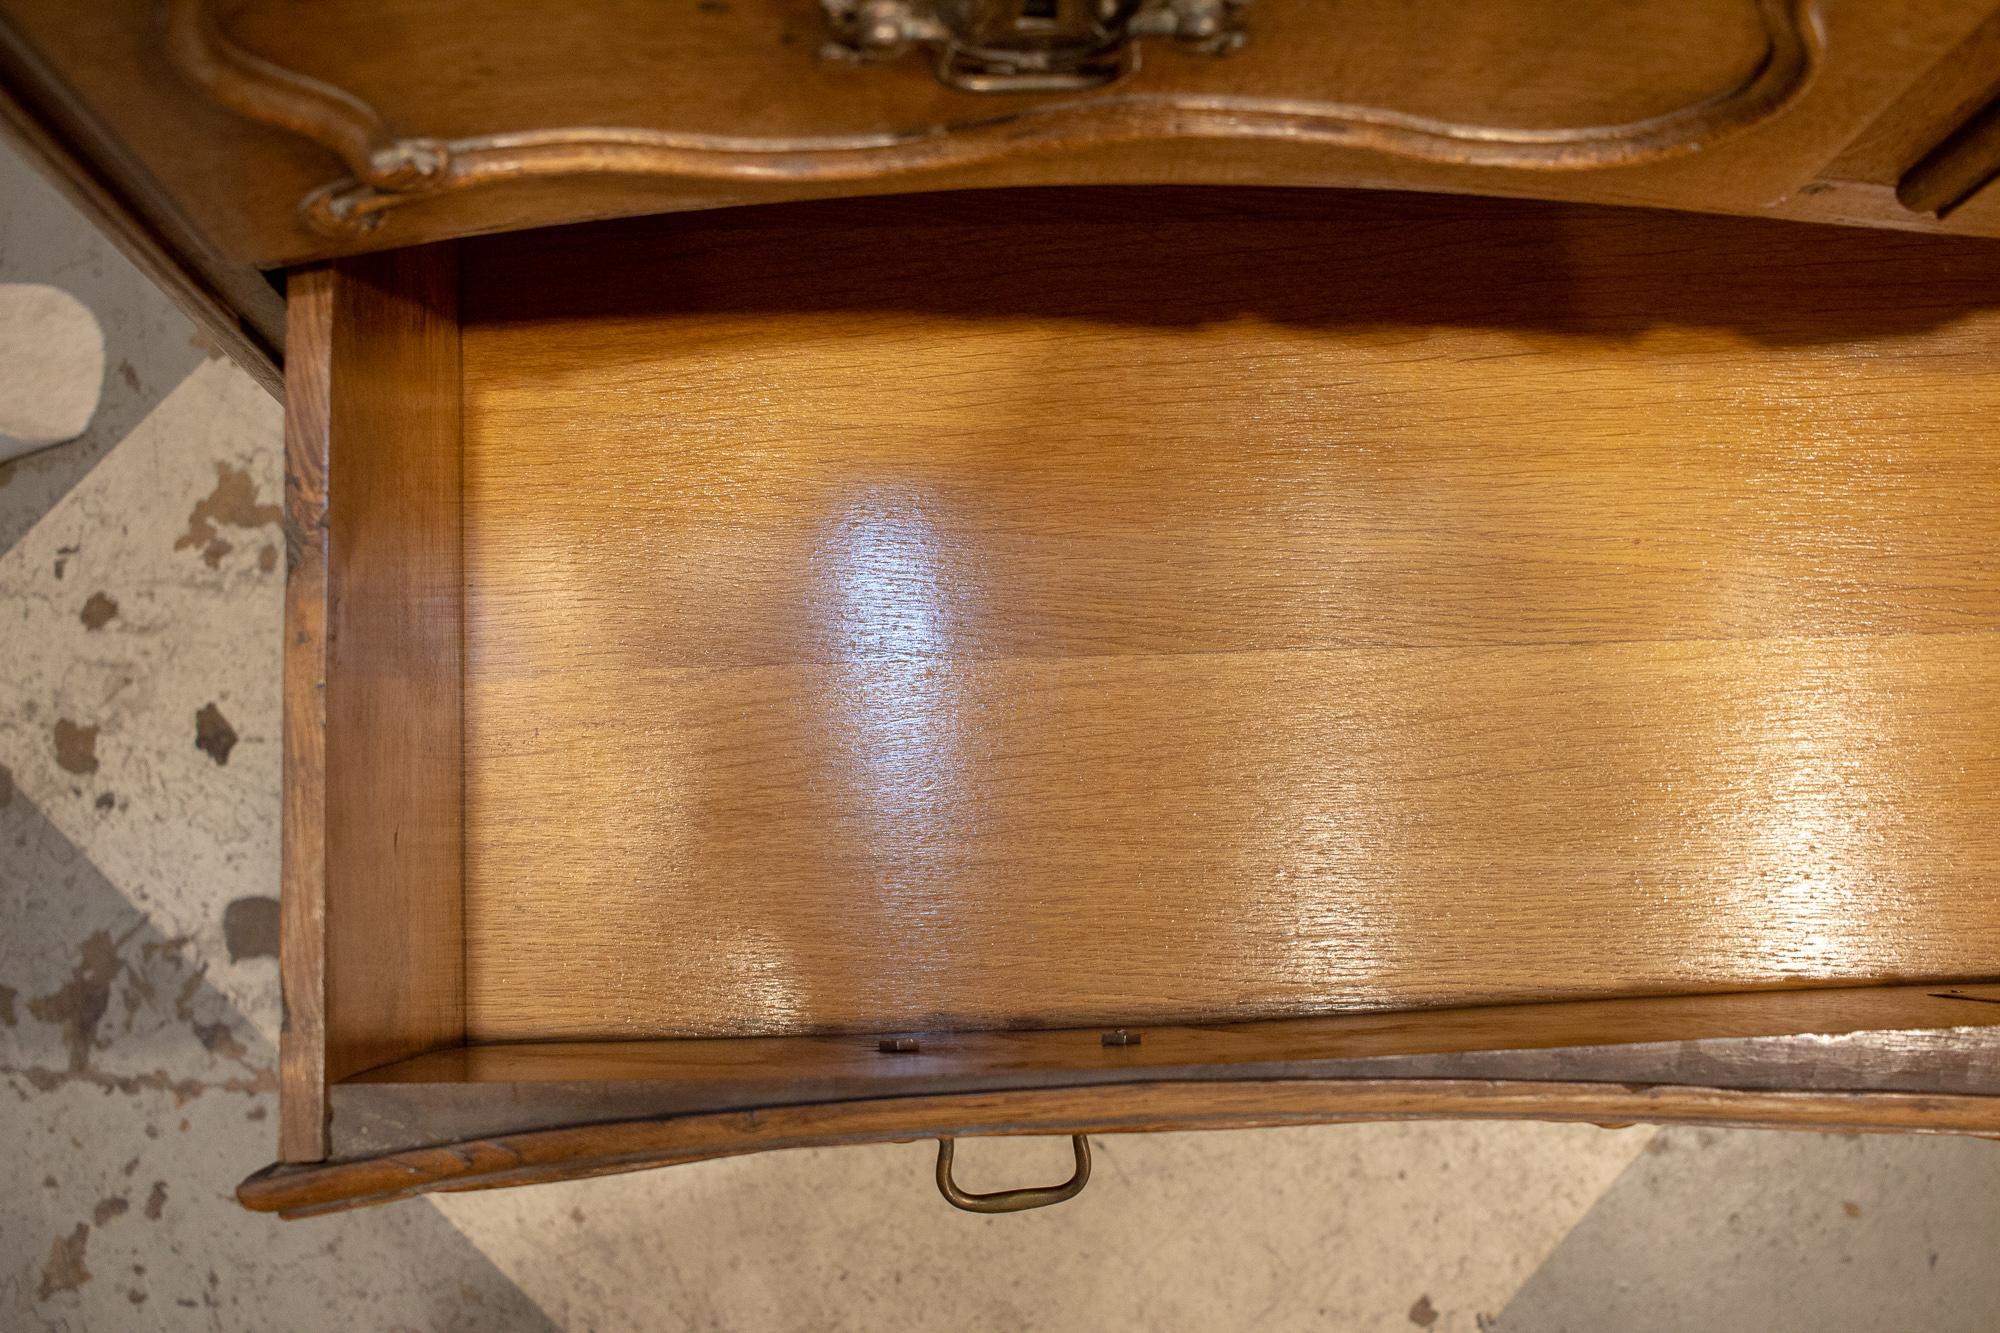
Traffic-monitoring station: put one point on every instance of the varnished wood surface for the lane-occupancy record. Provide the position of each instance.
(609, 1149)
(376, 1119)
(373, 764)
(1056, 1055)
(302, 1079)
(1049, 610)
(510, 89)
(1958, 170)
(1448, 92)
(373, 1119)
(1948, 95)
(1595, 63)
(1893, 1038)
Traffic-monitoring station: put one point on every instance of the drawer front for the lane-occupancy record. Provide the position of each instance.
(287, 131)
(728, 96)
(1892, 1059)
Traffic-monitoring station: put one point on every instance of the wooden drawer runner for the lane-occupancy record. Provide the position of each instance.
(1297, 630)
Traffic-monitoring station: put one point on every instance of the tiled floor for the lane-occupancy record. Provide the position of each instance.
(139, 604)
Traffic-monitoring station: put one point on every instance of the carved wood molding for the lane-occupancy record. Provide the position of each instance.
(389, 171)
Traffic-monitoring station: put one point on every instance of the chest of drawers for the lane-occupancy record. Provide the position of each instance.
(1149, 651)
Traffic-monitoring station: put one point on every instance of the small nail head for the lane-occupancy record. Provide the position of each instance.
(896, 1045)
(1120, 1037)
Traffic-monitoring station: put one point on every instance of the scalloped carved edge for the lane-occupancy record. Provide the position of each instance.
(388, 171)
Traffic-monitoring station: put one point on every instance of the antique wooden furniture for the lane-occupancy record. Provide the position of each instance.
(1076, 660)
(229, 137)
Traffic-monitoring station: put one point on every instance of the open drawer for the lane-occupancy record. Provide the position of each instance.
(1088, 661)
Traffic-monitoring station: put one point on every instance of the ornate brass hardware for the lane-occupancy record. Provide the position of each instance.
(997, 46)
(1017, 1200)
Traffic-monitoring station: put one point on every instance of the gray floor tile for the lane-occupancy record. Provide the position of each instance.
(149, 346)
(134, 1097)
(1715, 1230)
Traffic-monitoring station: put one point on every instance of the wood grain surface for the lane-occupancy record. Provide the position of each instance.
(373, 1119)
(373, 673)
(662, 64)
(1836, 1041)
(1948, 95)
(302, 1079)
(752, 1069)
(583, 1151)
(498, 78)
(1056, 609)
(1958, 169)
(1614, 83)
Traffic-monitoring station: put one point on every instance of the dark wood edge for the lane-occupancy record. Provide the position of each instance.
(393, 776)
(236, 309)
(1907, 1039)
(607, 1149)
(1060, 1055)
(1964, 164)
(370, 944)
(302, 1087)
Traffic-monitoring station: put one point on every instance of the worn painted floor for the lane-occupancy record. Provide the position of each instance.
(139, 607)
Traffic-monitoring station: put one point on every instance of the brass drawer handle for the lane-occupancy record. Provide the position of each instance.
(1013, 1201)
(1028, 46)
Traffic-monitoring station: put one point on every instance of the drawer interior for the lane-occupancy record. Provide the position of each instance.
(1047, 609)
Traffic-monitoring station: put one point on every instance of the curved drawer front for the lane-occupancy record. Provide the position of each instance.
(420, 101)
(284, 132)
